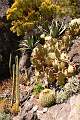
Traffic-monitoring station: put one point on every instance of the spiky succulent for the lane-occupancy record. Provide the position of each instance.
(61, 96)
(57, 28)
(29, 43)
(70, 88)
(4, 116)
(73, 86)
(47, 97)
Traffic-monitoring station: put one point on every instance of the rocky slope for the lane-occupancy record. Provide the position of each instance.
(69, 110)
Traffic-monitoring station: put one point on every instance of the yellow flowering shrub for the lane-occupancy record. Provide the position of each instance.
(24, 14)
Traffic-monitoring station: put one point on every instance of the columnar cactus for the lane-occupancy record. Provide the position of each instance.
(10, 64)
(13, 85)
(17, 84)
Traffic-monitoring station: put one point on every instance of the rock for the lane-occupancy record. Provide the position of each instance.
(27, 106)
(45, 110)
(28, 116)
(66, 111)
(3, 7)
(75, 55)
(6, 94)
(16, 118)
(25, 94)
(34, 109)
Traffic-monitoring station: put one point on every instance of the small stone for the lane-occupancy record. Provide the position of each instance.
(28, 116)
(34, 109)
(39, 112)
(32, 97)
(45, 110)
(27, 106)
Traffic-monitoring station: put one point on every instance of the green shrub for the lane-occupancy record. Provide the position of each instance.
(37, 88)
(24, 14)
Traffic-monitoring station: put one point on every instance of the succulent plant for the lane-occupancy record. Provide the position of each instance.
(70, 88)
(61, 96)
(74, 26)
(47, 97)
(52, 57)
(4, 116)
(73, 86)
(74, 21)
(57, 28)
(53, 60)
(29, 43)
(15, 86)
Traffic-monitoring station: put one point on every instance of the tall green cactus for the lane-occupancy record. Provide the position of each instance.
(10, 64)
(13, 85)
(17, 84)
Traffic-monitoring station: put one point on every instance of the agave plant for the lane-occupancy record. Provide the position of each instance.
(29, 43)
(26, 47)
(57, 28)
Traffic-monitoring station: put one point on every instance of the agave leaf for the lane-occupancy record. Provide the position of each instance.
(63, 30)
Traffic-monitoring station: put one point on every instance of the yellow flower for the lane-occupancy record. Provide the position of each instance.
(48, 38)
(70, 69)
(64, 56)
(66, 72)
(42, 36)
(52, 55)
(36, 73)
(74, 21)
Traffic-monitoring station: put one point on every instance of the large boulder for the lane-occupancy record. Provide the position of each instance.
(66, 111)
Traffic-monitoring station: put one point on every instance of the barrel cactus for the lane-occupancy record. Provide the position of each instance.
(47, 97)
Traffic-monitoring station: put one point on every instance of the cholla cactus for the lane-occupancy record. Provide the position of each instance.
(61, 96)
(70, 88)
(73, 86)
(47, 97)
